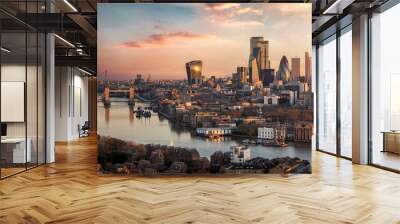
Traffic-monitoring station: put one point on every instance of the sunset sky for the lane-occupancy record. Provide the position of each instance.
(158, 39)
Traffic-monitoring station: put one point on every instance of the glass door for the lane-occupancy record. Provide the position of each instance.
(326, 121)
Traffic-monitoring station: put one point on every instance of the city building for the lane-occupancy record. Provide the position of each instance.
(240, 154)
(288, 97)
(259, 49)
(258, 59)
(307, 67)
(271, 100)
(266, 133)
(253, 71)
(193, 71)
(303, 131)
(273, 131)
(267, 76)
(243, 74)
(283, 73)
(295, 72)
(214, 132)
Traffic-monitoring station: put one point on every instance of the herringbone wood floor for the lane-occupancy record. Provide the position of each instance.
(70, 191)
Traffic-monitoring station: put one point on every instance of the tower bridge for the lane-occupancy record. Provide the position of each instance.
(108, 92)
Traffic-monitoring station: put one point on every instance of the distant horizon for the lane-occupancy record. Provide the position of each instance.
(145, 77)
(132, 42)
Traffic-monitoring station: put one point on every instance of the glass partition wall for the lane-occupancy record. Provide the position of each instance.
(334, 94)
(345, 92)
(385, 89)
(22, 98)
(326, 121)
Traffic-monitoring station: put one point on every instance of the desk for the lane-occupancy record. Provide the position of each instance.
(391, 141)
(13, 150)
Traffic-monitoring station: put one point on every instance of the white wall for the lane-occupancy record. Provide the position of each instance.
(71, 102)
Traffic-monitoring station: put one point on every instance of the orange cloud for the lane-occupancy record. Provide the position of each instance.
(228, 14)
(220, 6)
(163, 39)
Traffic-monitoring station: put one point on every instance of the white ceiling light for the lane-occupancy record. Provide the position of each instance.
(337, 7)
(64, 40)
(70, 5)
(5, 50)
(86, 72)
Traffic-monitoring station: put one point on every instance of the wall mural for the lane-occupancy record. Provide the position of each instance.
(218, 88)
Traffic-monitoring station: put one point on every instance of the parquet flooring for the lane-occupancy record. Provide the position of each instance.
(70, 191)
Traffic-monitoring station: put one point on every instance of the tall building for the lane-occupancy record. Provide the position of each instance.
(254, 75)
(193, 70)
(243, 74)
(267, 76)
(283, 73)
(259, 50)
(307, 67)
(295, 73)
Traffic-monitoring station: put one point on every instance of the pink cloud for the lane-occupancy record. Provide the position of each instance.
(163, 39)
(220, 6)
(238, 23)
(228, 14)
(244, 10)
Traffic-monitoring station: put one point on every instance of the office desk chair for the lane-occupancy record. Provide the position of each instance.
(84, 130)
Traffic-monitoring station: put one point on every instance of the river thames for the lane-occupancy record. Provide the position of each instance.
(118, 121)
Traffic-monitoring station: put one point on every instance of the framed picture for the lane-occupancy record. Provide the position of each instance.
(215, 88)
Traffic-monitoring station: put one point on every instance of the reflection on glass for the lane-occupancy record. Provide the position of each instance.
(327, 96)
(22, 76)
(131, 114)
(346, 94)
(15, 151)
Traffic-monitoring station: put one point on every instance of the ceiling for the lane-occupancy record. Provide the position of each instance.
(75, 22)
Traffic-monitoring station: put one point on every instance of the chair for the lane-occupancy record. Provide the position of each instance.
(84, 130)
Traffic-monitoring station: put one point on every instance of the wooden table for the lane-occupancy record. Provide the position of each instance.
(391, 141)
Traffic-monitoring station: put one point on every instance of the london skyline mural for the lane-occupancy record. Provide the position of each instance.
(204, 88)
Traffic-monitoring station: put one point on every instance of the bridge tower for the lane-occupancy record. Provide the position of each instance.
(132, 95)
(106, 96)
(106, 93)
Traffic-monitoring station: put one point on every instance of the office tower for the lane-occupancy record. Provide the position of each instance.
(307, 67)
(283, 72)
(253, 71)
(193, 70)
(295, 69)
(243, 74)
(267, 76)
(259, 49)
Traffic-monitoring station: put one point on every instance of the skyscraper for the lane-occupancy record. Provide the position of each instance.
(193, 70)
(283, 72)
(253, 71)
(243, 74)
(267, 76)
(295, 69)
(259, 50)
(307, 67)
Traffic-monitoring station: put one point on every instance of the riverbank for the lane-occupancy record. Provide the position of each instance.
(118, 156)
(119, 122)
